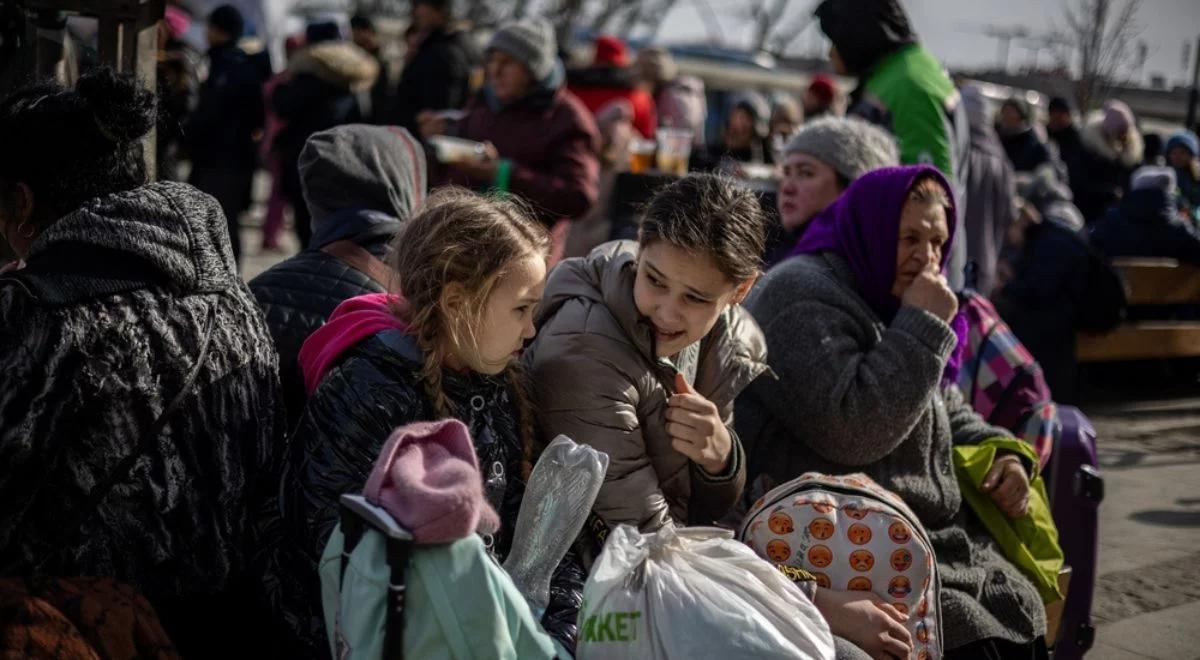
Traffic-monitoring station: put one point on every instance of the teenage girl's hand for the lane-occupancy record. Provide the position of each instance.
(930, 292)
(696, 429)
(1008, 485)
(864, 619)
(12, 266)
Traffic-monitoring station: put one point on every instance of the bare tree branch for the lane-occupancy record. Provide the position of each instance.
(1102, 36)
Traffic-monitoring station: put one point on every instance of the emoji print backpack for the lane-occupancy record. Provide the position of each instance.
(852, 534)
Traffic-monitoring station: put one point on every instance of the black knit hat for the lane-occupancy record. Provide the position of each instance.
(228, 19)
(446, 6)
(1060, 104)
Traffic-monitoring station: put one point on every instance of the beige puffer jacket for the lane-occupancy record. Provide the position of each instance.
(596, 379)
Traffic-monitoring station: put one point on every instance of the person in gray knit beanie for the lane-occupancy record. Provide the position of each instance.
(819, 162)
(532, 42)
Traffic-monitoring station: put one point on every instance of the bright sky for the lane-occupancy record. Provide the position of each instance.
(952, 28)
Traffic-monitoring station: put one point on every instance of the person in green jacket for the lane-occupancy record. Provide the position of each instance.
(903, 88)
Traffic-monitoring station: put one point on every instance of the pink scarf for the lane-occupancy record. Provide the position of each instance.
(353, 321)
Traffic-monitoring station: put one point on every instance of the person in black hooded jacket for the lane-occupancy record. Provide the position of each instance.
(360, 183)
(128, 310)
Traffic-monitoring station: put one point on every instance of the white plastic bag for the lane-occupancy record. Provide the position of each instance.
(693, 593)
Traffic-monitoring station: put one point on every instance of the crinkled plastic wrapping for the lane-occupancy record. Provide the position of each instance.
(558, 499)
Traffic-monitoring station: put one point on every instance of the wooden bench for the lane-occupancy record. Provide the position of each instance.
(1149, 281)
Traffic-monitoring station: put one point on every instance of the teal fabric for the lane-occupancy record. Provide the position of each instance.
(459, 603)
(1029, 542)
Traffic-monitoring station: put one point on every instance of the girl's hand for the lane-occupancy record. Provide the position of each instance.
(1008, 485)
(696, 429)
(864, 619)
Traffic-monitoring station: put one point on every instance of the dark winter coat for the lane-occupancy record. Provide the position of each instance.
(320, 94)
(1069, 143)
(553, 144)
(376, 387)
(230, 108)
(299, 293)
(1026, 151)
(1147, 224)
(100, 331)
(438, 77)
(857, 395)
(1105, 171)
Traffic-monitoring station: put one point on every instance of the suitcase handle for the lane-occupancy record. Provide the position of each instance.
(1089, 484)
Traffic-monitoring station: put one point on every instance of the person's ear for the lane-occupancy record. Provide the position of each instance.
(744, 288)
(452, 301)
(23, 203)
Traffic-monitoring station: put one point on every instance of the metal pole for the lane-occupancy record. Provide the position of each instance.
(1194, 95)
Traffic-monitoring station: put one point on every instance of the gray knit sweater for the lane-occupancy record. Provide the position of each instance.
(855, 395)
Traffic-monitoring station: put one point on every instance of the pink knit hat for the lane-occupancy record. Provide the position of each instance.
(427, 477)
(1118, 118)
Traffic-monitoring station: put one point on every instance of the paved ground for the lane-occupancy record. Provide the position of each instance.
(1148, 589)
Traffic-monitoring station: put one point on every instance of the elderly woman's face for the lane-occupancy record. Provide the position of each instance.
(510, 79)
(923, 234)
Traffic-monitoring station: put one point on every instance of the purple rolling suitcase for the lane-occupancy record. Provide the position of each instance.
(1076, 489)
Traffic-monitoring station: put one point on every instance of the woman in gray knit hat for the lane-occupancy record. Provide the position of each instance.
(820, 161)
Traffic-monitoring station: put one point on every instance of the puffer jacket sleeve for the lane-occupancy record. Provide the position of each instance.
(580, 392)
(345, 425)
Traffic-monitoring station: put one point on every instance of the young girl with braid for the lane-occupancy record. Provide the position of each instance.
(472, 270)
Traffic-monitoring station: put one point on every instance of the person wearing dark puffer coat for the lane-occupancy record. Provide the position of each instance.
(1147, 222)
(140, 391)
(319, 92)
(360, 183)
(473, 270)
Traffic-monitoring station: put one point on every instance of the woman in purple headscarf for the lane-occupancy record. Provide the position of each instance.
(859, 330)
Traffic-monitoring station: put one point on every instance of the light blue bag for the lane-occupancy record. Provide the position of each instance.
(441, 601)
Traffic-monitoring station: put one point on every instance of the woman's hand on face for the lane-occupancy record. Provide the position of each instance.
(863, 618)
(12, 267)
(1008, 485)
(696, 428)
(930, 292)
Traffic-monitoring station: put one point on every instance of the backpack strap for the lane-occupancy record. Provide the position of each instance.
(360, 259)
(393, 630)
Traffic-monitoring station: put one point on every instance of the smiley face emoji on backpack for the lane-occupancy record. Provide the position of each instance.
(922, 632)
(781, 523)
(823, 581)
(898, 532)
(778, 550)
(859, 534)
(862, 560)
(902, 559)
(900, 587)
(820, 556)
(821, 528)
